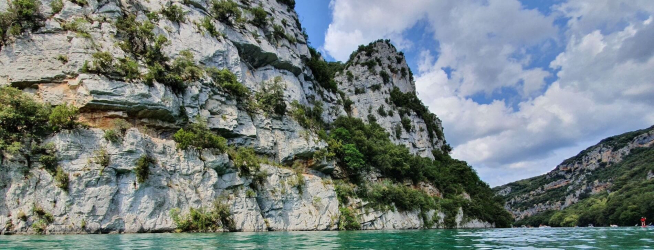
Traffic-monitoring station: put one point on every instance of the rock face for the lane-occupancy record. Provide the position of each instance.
(106, 197)
(109, 199)
(575, 178)
(370, 87)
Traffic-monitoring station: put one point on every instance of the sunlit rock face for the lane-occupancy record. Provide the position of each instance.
(51, 63)
(574, 179)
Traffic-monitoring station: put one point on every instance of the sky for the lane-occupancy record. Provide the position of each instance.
(519, 85)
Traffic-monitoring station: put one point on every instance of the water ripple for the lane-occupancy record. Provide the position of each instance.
(518, 238)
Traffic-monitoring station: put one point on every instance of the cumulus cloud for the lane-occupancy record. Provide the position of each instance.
(602, 80)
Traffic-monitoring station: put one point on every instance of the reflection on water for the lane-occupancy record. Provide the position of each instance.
(550, 238)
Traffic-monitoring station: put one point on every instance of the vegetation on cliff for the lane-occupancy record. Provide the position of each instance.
(385, 175)
(631, 197)
(625, 193)
(361, 148)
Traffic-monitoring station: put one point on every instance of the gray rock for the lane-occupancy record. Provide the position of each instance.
(110, 199)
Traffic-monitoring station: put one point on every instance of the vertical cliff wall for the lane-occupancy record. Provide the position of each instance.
(138, 71)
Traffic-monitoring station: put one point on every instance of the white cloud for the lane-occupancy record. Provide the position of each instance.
(360, 22)
(603, 78)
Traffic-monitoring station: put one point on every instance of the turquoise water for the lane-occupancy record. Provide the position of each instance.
(550, 238)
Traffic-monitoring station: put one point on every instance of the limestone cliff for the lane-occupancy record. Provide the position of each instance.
(98, 56)
(594, 172)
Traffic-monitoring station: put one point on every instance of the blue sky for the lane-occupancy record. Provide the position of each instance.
(519, 85)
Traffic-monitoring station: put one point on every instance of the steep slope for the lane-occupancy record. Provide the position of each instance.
(608, 183)
(151, 116)
(380, 85)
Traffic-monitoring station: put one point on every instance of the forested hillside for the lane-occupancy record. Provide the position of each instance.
(609, 183)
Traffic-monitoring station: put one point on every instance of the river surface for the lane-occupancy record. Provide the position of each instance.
(519, 238)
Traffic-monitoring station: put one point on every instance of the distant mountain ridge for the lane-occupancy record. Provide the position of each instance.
(602, 176)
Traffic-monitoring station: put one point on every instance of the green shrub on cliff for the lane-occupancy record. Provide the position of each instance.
(64, 117)
(411, 101)
(348, 220)
(228, 81)
(398, 164)
(111, 135)
(142, 168)
(207, 24)
(174, 13)
(271, 97)
(24, 122)
(135, 37)
(197, 135)
(307, 117)
(61, 179)
(226, 11)
(245, 160)
(324, 71)
(57, 6)
(260, 17)
(202, 220)
(21, 15)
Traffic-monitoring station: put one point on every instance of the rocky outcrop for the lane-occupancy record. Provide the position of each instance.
(368, 80)
(109, 198)
(575, 178)
(103, 194)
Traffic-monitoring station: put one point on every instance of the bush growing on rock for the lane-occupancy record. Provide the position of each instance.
(228, 81)
(353, 159)
(102, 158)
(49, 162)
(128, 68)
(245, 160)
(77, 25)
(142, 168)
(307, 117)
(135, 36)
(398, 131)
(21, 15)
(406, 123)
(138, 39)
(323, 71)
(115, 134)
(279, 33)
(182, 70)
(174, 13)
(23, 122)
(411, 101)
(347, 105)
(385, 77)
(381, 111)
(197, 135)
(201, 220)
(39, 226)
(260, 17)
(184, 66)
(226, 11)
(64, 117)
(103, 63)
(111, 136)
(271, 98)
(61, 178)
(347, 220)
(207, 24)
(57, 6)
